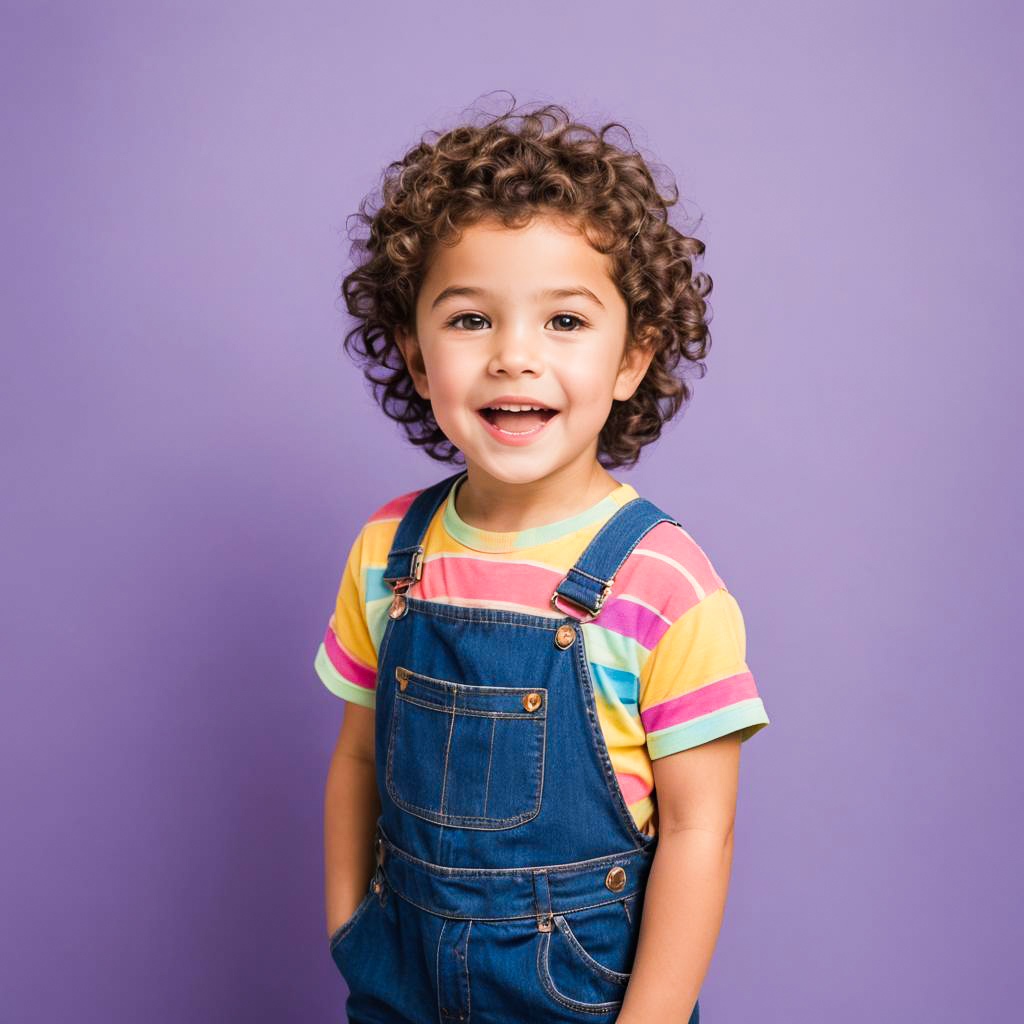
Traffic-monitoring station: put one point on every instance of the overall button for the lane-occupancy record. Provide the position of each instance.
(615, 879)
(564, 636)
(532, 701)
(397, 609)
(402, 675)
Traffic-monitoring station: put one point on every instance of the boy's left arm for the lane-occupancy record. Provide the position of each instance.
(685, 898)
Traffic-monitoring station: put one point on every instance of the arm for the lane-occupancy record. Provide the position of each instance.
(351, 808)
(686, 889)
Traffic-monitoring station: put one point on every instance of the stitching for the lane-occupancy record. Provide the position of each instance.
(469, 985)
(615, 790)
(473, 821)
(597, 865)
(490, 760)
(544, 972)
(498, 615)
(527, 715)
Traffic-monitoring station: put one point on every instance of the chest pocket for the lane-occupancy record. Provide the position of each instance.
(466, 755)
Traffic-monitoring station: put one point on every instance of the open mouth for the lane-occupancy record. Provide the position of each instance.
(521, 421)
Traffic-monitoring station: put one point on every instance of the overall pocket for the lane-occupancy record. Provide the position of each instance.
(584, 962)
(466, 755)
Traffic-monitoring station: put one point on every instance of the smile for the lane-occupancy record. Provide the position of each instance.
(516, 437)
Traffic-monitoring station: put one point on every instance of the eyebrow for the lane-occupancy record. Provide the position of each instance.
(551, 293)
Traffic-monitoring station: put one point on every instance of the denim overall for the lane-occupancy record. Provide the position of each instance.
(510, 873)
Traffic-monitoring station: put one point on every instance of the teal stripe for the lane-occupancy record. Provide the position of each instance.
(615, 685)
(748, 715)
(373, 583)
(338, 684)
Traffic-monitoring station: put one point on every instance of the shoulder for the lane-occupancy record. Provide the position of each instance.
(669, 572)
(375, 536)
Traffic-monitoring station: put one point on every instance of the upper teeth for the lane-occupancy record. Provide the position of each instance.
(518, 408)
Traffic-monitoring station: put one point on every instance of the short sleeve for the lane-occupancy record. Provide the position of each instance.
(695, 685)
(346, 660)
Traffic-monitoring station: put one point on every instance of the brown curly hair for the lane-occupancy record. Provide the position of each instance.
(514, 167)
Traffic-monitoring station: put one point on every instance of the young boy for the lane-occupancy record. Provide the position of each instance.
(530, 807)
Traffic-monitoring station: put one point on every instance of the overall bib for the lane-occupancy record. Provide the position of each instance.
(510, 873)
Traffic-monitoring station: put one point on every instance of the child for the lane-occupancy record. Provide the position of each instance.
(528, 815)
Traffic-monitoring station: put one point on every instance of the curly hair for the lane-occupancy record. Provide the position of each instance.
(514, 167)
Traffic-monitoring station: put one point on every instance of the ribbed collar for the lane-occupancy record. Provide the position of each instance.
(489, 540)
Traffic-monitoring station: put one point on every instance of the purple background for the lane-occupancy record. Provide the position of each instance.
(187, 454)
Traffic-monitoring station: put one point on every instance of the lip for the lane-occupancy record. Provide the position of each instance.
(519, 438)
(517, 400)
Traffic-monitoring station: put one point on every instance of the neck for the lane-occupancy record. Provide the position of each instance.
(497, 506)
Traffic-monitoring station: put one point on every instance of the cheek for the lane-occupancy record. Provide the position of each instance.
(589, 385)
(449, 388)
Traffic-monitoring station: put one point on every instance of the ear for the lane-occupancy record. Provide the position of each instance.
(636, 360)
(408, 345)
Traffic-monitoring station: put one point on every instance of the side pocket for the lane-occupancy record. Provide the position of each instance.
(344, 930)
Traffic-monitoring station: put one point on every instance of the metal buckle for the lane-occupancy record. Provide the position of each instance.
(605, 591)
(403, 583)
(417, 565)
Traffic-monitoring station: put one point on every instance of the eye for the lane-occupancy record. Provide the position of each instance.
(465, 316)
(568, 316)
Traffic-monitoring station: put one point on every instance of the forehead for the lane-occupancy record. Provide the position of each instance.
(542, 253)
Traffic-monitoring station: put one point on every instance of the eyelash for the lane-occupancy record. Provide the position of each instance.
(461, 316)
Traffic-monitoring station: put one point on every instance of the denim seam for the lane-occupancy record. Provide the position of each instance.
(565, 869)
(500, 616)
(586, 683)
(455, 915)
(526, 716)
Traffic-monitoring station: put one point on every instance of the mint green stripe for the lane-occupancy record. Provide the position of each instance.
(748, 715)
(486, 540)
(338, 684)
(616, 650)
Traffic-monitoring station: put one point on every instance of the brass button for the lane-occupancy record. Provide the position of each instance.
(564, 636)
(376, 886)
(397, 609)
(615, 879)
(402, 675)
(531, 701)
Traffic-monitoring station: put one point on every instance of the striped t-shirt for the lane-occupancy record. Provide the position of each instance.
(667, 652)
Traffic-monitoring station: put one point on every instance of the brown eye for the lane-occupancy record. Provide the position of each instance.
(567, 316)
(465, 316)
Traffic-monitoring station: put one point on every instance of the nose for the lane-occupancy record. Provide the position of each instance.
(516, 350)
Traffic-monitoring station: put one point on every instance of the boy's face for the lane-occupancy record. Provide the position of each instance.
(505, 333)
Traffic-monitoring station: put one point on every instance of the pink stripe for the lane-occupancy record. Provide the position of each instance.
(702, 701)
(633, 787)
(396, 508)
(348, 667)
(628, 618)
(673, 541)
(483, 579)
(657, 583)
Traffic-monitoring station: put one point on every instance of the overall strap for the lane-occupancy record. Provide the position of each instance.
(589, 581)
(405, 559)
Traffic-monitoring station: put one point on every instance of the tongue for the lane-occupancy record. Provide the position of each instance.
(518, 422)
